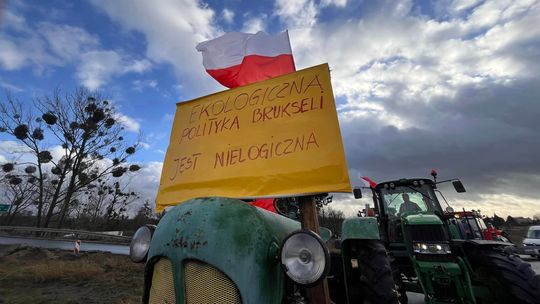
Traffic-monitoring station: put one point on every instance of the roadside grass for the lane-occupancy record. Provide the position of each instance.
(67, 271)
(40, 276)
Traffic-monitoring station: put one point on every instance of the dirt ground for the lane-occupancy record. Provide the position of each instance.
(34, 275)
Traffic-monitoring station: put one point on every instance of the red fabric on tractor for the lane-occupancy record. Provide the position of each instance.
(264, 203)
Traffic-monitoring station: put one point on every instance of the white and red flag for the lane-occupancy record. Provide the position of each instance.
(237, 59)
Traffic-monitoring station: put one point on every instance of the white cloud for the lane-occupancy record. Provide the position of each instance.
(48, 45)
(67, 42)
(138, 66)
(146, 183)
(10, 149)
(168, 117)
(144, 145)
(254, 25)
(14, 151)
(12, 20)
(98, 67)
(140, 85)
(297, 14)
(10, 58)
(43, 45)
(424, 58)
(227, 15)
(337, 3)
(10, 87)
(172, 30)
(502, 204)
(129, 123)
(461, 5)
(416, 92)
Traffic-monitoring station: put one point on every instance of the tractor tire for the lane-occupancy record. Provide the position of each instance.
(508, 278)
(376, 278)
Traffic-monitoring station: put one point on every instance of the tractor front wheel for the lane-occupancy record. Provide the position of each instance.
(376, 279)
(508, 278)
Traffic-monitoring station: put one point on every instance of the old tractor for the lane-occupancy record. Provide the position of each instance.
(432, 251)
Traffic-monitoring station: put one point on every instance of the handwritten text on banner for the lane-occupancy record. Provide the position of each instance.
(273, 138)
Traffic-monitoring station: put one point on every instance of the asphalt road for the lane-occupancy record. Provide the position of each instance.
(65, 244)
(416, 298)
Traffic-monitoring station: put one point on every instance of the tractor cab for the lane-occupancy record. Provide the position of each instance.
(397, 200)
(403, 197)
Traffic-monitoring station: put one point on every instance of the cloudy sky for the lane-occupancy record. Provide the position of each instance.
(451, 85)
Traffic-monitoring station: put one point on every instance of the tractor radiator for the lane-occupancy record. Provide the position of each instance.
(206, 284)
(162, 289)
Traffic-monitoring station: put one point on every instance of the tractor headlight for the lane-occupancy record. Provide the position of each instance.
(304, 257)
(432, 248)
(140, 243)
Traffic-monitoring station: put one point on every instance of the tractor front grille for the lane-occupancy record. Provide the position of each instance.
(427, 233)
(444, 292)
(436, 258)
(206, 284)
(162, 289)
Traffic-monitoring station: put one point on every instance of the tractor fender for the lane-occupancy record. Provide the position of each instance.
(507, 247)
(487, 243)
(365, 228)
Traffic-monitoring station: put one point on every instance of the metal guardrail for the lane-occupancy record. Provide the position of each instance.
(66, 232)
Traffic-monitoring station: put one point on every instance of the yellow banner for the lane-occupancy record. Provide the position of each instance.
(278, 137)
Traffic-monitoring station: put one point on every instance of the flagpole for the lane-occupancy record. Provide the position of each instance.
(290, 46)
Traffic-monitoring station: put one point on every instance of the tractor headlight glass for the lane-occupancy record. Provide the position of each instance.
(304, 257)
(432, 248)
(140, 244)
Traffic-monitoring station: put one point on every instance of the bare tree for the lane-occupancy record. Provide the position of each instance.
(331, 219)
(83, 126)
(19, 190)
(107, 199)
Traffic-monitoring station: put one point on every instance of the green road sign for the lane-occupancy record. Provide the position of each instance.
(4, 208)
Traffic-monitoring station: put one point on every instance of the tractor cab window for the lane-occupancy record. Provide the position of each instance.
(403, 199)
(482, 224)
(470, 228)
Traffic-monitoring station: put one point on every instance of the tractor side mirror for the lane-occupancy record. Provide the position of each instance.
(357, 193)
(458, 186)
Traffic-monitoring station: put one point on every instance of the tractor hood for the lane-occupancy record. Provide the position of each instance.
(422, 219)
(238, 239)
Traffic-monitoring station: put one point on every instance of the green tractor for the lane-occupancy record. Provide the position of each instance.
(221, 250)
(422, 248)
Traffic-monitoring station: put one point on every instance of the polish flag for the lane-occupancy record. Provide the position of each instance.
(237, 59)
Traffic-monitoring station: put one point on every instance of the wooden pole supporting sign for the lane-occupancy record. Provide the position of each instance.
(309, 219)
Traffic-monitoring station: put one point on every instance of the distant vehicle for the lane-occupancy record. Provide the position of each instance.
(531, 243)
(472, 226)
